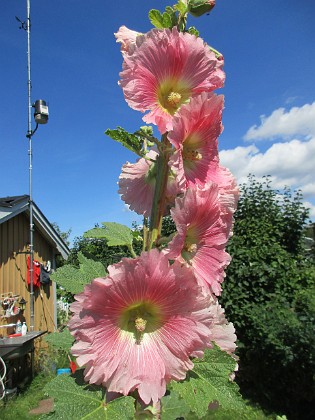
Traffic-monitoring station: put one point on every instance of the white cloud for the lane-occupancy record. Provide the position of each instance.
(289, 164)
(309, 189)
(290, 161)
(312, 209)
(298, 121)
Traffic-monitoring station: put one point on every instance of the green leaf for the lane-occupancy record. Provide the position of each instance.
(74, 279)
(74, 399)
(167, 20)
(131, 141)
(156, 18)
(61, 340)
(115, 233)
(172, 13)
(181, 7)
(97, 233)
(193, 31)
(209, 381)
(173, 407)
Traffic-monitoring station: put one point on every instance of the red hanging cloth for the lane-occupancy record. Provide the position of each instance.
(36, 272)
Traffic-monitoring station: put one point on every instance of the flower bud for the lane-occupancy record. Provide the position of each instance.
(200, 7)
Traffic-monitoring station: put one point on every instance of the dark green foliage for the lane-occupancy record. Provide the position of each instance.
(278, 366)
(269, 295)
(168, 226)
(97, 250)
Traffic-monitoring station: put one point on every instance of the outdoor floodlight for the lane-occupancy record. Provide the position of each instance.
(41, 111)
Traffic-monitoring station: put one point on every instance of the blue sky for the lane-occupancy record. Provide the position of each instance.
(269, 115)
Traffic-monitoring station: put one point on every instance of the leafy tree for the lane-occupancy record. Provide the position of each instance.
(269, 295)
(60, 261)
(97, 250)
(63, 235)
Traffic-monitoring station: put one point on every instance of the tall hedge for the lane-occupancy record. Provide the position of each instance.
(269, 295)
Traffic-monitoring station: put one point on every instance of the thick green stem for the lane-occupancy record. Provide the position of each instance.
(145, 233)
(132, 252)
(159, 199)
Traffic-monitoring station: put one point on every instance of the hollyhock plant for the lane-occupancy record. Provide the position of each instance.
(137, 328)
(154, 319)
(137, 184)
(166, 71)
(196, 128)
(202, 234)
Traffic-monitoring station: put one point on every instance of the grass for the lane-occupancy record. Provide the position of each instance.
(18, 407)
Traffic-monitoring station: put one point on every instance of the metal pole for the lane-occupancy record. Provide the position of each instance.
(30, 153)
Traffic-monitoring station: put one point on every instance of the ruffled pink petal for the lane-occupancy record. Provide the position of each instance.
(166, 71)
(228, 188)
(136, 186)
(129, 39)
(223, 332)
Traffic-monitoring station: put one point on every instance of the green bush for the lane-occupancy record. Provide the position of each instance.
(269, 295)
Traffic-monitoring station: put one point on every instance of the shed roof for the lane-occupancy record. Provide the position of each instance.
(14, 205)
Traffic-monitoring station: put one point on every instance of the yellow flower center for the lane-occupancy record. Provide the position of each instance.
(172, 93)
(174, 99)
(140, 318)
(190, 246)
(140, 324)
(192, 155)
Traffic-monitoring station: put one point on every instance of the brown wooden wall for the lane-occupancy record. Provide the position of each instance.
(14, 238)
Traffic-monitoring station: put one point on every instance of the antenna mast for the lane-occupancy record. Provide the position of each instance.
(41, 117)
(30, 153)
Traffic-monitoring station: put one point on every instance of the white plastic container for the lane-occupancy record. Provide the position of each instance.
(18, 327)
(24, 328)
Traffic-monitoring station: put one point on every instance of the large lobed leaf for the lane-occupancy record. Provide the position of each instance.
(61, 340)
(74, 399)
(74, 279)
(173, 407)
(115, 233)
(208, 382)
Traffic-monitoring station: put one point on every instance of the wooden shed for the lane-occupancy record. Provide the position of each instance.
(14, 254)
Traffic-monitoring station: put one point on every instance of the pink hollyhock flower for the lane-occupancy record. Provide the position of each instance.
(165, 71)
(196, 128)
(129, 39)
(137, 184)
(203, 230)
(137, 328)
